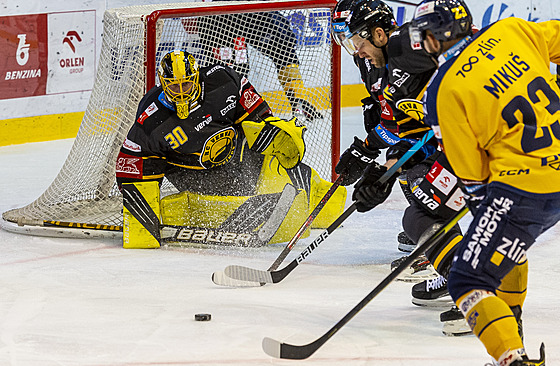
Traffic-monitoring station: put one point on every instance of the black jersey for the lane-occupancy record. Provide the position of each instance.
(409, 71)
(209, 137)
(375, 80)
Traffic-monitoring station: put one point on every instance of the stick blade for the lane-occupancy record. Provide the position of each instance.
(248, 274)
(220, 279)
(276, 349)
(271, 347)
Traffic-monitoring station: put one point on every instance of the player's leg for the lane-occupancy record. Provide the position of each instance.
(503, 229)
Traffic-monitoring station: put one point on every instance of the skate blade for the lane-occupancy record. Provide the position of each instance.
(426, 274)
(456, 328)
(441, 302)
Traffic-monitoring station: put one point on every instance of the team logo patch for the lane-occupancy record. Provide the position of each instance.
(456, 201)
(218, 149)
(412, 108)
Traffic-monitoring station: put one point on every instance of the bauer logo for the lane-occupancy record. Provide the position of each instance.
(206, 236)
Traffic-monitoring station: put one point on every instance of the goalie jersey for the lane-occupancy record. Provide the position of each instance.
(496, 105)
(211, 136)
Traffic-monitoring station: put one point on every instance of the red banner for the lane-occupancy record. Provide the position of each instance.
(23, 67)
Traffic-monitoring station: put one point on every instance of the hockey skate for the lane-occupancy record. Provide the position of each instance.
(454, 323)
(420, 270)
(431, 292)
(527, 362)
(405, 244)
(305, 110)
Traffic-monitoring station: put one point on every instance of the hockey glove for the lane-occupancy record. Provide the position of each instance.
(368, 193)
(400, 148)
(278, 137)
(474, 193)
(372, 113)
(354, 161)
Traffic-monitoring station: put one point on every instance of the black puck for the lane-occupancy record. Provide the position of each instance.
(202, 317)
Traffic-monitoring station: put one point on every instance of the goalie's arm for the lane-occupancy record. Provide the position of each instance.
(133, 165)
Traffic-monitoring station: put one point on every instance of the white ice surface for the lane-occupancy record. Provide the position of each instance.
(66, 302)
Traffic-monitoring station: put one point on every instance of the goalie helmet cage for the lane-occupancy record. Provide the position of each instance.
(283, 47)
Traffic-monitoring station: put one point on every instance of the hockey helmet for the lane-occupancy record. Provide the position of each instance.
(446, 19)
(179, 77)
(370, 14)
(339, 28)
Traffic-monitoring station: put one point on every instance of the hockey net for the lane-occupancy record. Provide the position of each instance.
(268, 41)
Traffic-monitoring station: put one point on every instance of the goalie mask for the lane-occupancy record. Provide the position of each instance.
(179, 77)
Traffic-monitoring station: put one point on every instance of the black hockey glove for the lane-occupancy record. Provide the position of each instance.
(474, 194)
(368, 193)
(372, 113)
(354, 161)
(399, 149)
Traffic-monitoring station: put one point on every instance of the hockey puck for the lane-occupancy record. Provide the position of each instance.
(202, 317)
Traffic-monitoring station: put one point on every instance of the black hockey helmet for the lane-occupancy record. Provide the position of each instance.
(369, 14)
(339, 28)
(179, 75)
(446, 19)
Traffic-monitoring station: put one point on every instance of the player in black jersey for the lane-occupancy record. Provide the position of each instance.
(208, 131)
(429, 183)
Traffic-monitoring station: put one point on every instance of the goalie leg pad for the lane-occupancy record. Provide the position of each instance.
(141, 215)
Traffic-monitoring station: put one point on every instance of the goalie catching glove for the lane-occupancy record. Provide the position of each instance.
(278, 137)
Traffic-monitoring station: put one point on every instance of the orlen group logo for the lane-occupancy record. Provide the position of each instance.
(74, 64)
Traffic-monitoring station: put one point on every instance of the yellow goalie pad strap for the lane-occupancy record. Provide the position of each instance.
(513, 288)
(278, 137)
(135, 235)
(492, 321)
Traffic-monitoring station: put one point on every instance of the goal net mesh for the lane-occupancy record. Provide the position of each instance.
(286, 54)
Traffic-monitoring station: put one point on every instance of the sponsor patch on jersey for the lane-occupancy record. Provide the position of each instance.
(129, 166)
(218, 149)
(249, 98)
(214, 69)
(131, 145)
(441, 178)
(456, 201)
(437, 132)
(386, 135)
(377, 85)
(402, 77)
(230, 106)
(412, 107)
(205, 122)
(152, 108)
(386, 111)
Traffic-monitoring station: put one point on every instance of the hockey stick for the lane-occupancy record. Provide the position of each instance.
(219, 277)
(255, 275)
(288, 351)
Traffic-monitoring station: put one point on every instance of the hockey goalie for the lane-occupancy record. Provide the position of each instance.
(237, 168)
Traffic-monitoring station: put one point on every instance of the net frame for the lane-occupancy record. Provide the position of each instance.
(103, 199)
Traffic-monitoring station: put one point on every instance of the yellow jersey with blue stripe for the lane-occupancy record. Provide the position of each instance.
(496, 107)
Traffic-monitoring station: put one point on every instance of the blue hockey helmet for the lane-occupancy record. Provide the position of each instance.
(446, 19)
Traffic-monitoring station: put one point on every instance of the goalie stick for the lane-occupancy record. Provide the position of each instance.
(294, 352)
(255, 275)
(220, 278)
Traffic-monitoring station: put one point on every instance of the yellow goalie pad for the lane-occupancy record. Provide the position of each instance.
(135, 234)
(192, 209)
